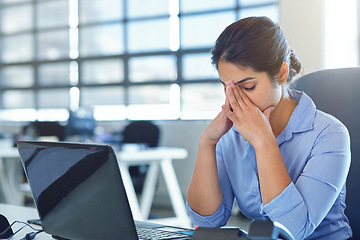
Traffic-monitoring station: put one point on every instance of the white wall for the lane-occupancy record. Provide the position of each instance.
(323, 33)
(341, 34)
(301, 22)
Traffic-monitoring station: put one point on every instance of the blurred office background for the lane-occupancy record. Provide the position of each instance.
(124, 60)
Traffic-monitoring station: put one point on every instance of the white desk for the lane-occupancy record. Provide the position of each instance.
(10, 175)
(19, 213)
(156, 158)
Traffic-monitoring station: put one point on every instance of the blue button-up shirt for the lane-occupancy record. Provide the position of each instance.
(315, 147)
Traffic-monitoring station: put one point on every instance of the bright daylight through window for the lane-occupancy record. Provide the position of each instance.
(120, 60)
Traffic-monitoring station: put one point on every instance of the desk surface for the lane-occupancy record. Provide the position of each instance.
(147, 155)
(128, 155)
(9, 152)
(18, 213)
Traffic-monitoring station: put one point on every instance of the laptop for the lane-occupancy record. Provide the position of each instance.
(79, 193)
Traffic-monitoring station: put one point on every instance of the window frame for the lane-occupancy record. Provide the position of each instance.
(125, 56)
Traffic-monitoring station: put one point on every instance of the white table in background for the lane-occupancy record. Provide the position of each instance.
(10, 174)
(156, 158)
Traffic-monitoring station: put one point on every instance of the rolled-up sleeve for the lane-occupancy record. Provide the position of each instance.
(303, 205)
(215, 220)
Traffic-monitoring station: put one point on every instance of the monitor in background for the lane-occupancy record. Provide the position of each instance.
(81, 124)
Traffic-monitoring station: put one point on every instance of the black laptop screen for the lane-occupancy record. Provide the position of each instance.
(77, 189)
(62, 179)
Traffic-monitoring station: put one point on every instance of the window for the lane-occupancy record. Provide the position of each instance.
(121, 60)
(335, 34)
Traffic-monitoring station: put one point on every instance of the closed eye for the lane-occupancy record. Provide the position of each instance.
(249, 89)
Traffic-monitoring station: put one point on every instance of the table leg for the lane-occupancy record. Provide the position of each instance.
(15, 177)
(175, 192)
(148, 192)
(5, 186)
(130, 192)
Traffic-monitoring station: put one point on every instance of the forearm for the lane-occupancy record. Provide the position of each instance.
(204, 194)
(273, 175)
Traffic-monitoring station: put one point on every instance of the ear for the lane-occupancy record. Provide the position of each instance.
(283, 73)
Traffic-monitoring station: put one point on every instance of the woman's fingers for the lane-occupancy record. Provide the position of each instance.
(236, 96)
(240, 95)
(243, 95)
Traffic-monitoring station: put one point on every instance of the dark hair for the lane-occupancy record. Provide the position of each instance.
(256, 42)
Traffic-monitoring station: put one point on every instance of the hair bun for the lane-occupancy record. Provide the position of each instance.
(295, 65)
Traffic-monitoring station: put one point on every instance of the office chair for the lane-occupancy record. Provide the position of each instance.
(337, 91)
(44, 128)
(141, 132)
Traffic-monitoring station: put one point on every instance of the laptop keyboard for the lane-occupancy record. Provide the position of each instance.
(157, 234)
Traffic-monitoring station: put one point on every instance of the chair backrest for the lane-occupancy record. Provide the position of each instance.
(337, 91)
(141, 132)
(45, 128)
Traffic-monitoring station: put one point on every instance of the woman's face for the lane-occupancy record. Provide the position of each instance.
(261, 90)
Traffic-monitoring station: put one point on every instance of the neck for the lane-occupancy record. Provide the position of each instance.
(280, 116)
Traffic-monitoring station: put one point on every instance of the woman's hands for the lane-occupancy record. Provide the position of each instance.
(247, 118)
(239, 111)
(204, 194)
(217, 128)
(255, 127)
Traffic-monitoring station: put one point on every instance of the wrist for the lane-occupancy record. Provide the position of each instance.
(265, 143)
(207, 141)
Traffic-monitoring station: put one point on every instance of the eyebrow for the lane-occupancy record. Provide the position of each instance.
(240, 81)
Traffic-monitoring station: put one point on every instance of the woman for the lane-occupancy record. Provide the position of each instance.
(269, 148)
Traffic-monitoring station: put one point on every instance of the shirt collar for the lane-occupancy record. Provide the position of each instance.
(302, 118)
